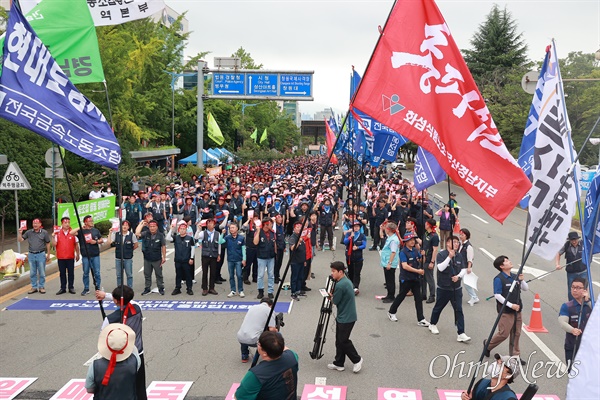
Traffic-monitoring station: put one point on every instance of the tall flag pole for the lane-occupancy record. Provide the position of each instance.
(214, 132)
(417, 83)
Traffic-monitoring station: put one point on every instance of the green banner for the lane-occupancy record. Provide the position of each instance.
(69, 33)
(100, 209)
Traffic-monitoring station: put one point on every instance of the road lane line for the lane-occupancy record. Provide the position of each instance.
(479, 218)
(438, 196)
(519, 241)
(545, 349)
(487, 253)
(596, 283)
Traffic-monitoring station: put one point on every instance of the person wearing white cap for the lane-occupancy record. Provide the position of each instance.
(502, 372)
(114, 375)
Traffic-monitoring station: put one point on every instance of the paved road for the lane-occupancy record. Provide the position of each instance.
(201, 346)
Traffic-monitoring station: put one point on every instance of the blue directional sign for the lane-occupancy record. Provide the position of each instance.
(261, 84)
(229, 83)
(295, 85)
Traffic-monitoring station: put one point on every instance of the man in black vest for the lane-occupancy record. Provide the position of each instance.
(575, 267)
(184, 259)
(113, 377)
(451, 267)
(276, 377)
(124, 242)
(155, 253)
(573, 317)
(210, 244)
(264, 239)
(510, 321)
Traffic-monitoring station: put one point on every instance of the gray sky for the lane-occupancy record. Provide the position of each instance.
(329, 36)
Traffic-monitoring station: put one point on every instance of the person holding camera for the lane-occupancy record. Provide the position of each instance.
(254, 324)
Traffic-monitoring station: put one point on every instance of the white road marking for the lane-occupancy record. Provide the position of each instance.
(438, 196)
(545, 349)
(487, 253)
(596, 283)
(532, 271)
(481, 219)
(596, 261)
(519, 241)
(169, 252)
(198, 270)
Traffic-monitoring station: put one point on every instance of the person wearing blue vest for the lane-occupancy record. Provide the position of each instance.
(276, 376)
(264, 239)
(235, 245)
(503, 371)
(510, 321)
(355, 243)
(280, 240)
(185, 249)
(575, 267)
(155, 254)
(389, 260)
(410, 275)
(209, 242)
(573, 317)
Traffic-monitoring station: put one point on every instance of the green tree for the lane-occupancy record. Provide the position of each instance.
(246, 59)
(496, 47)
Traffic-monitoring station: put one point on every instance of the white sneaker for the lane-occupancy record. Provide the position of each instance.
(433, 329)
(475, 300)
(358, 366)
(463, 338)
(242, 294)
(333, 366)
(423, 323)
(392, 317)
(231, 294)
(471, 302)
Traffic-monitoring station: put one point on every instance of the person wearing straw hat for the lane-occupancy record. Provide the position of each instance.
(114, 375)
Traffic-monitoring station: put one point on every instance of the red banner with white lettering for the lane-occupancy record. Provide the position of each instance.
(418, 84)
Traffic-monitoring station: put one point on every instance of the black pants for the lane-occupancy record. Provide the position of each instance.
(453, 297)
(428, 280)
(278, 262)
(209, 264)
(66, 268)
(354, 269)
(405, 287)
(251, 264)
(343, 345)
(306, 272)
(184, 272)
(329, 230)
(140, 380)
(390, 282)
(377, 236)
(161, 225)
(220, 263)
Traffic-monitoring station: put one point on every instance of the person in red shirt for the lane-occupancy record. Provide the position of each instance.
(67, 251)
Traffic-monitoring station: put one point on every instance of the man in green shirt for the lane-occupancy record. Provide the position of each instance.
(276, 377)
(344, 299)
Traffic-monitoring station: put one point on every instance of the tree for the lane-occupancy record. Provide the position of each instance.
(497, 48)
(247, 62)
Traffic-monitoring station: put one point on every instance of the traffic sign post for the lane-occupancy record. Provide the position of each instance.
(262, 85)
(14, 179)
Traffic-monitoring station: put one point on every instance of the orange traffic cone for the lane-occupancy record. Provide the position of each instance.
(535, 322)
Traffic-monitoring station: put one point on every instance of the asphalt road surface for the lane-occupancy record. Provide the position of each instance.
(202, 347)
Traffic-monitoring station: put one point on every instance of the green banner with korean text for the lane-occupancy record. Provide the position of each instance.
(101, 209)
(68, 31)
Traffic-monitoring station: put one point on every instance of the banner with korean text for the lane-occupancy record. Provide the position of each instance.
(101, 209)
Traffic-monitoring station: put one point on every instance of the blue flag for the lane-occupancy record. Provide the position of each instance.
(428, 171)
(592, 202)
(37, 95)
(528, 144)
(360, 146)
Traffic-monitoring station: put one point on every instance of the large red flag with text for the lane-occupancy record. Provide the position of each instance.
(418, 84)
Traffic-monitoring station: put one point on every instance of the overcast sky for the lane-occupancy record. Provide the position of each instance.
(329, 36)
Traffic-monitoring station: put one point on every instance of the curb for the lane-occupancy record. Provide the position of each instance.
(7, 286)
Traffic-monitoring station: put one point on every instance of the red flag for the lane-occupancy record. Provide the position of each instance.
(330, 141)
(418, 84)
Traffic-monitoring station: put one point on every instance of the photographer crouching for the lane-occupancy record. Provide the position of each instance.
(254, 324)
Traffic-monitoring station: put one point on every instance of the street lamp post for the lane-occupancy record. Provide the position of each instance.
(174, 77)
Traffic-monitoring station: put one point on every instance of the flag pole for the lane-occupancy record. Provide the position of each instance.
(80, 228)
(536, 235)
(313, 197)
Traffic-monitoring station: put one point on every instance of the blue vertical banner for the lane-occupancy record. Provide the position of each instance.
(37, 95)
(590, 227)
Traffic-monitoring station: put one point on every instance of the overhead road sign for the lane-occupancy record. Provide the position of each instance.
(262, 85)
